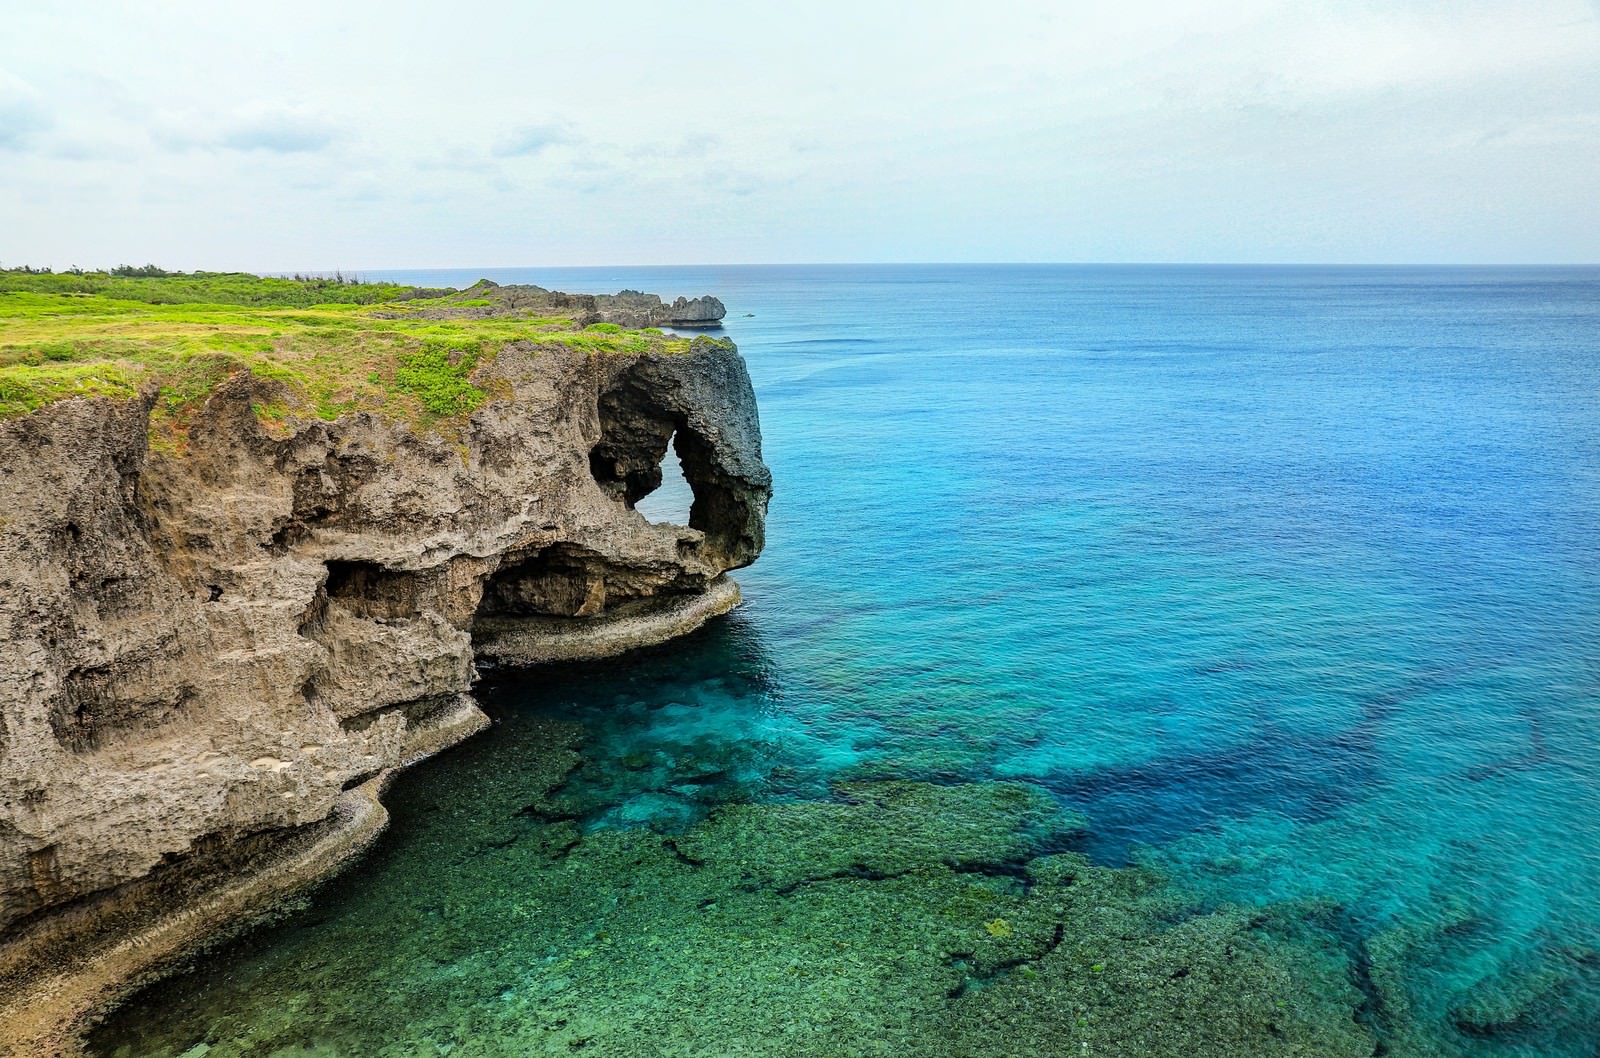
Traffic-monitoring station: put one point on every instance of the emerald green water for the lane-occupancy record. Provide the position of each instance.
(1144, 661)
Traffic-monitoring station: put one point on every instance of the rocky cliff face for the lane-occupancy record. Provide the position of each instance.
(200, 651)
(630, 308)
(626, 308)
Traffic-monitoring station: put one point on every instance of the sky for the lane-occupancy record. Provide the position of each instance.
(313, 136)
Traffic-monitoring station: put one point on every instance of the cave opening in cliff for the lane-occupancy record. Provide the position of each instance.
(370, 590)
(639, 436)
(670, 501)
(666, 464)
(561, 580)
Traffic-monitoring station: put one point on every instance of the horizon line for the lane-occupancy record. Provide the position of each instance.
(359, 271)
(990, 264)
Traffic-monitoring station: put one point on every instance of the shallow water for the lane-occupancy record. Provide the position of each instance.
(1287, 580)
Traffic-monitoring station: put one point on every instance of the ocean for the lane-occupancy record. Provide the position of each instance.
(1280, 586)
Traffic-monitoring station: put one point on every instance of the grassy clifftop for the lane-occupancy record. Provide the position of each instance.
(338, 346)
(157, 287)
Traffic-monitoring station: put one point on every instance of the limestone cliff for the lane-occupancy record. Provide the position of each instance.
(626, 308)
(205, 651)
(630, 308)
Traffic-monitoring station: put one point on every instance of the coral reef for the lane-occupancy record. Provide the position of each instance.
(895, 918)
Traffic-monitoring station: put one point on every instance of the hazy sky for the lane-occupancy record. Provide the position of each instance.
(321, 135)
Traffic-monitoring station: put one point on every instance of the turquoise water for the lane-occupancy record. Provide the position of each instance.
(1286, 579)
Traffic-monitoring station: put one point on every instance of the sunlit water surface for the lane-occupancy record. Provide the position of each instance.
(1288, 579)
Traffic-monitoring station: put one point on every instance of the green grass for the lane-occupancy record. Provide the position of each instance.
(440, 376)
(337, 347)
(23, 390)
(219, 288)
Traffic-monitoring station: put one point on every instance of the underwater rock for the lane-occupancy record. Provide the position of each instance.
(1500, 1002)
(1125, 979)
(1389, 954)
(881, 829)
(201, 646)
(759, 931)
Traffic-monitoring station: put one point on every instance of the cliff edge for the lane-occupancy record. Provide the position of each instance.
(230, 609)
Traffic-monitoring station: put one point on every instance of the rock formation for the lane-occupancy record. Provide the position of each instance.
(204, 654)
(626, 308)
(633, 309)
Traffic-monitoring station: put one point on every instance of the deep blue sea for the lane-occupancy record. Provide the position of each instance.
(1286, 578)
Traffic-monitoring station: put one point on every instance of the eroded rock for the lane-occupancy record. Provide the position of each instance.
(630, 308)
(201, 647)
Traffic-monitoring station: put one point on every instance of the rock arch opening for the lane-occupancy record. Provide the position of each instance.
(639, 434)
(669, 502)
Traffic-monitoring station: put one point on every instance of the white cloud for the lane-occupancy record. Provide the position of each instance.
(196, 134)
(280, 132)
(534, 139)
(22, 112)
(274, 130)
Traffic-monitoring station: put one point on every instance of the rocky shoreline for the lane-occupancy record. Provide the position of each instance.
(646, 623)
(217, 654)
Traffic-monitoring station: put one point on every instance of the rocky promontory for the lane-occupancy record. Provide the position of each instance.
(630, 308)
(246, 567)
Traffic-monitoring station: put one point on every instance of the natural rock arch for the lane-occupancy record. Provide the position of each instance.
(646, 409)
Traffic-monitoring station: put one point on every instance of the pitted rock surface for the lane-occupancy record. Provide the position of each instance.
(202, 648)
(633, 309)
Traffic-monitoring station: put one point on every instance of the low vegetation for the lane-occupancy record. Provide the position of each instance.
(339, 345)
(157, 286)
